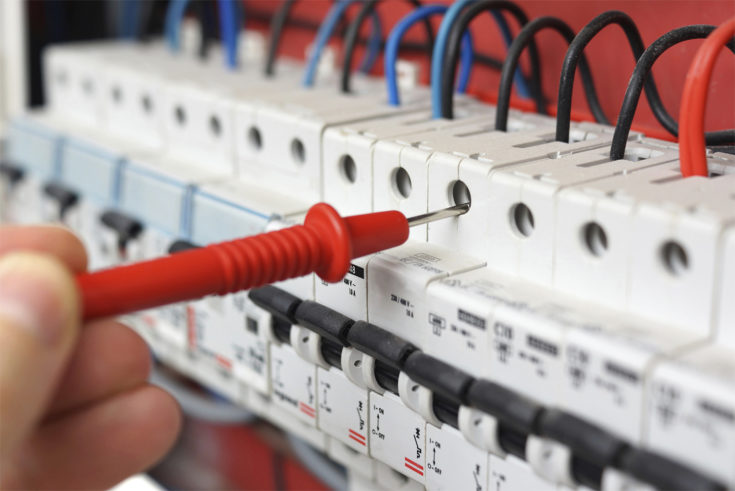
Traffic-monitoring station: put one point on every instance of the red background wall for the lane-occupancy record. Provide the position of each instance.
(609, 54)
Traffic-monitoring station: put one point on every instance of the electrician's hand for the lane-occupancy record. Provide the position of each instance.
(75, 409)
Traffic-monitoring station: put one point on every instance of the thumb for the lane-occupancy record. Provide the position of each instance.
(39, 320)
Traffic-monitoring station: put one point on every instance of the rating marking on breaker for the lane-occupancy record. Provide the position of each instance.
(306, 409)
(293, 383)
(414, 466)
(526, 353)
(223, 362)
(376, 430)
(191, 326)
(452, 462)
(349, 297)
(342, 409)
(357, 437)
(397, 435)
(404, 303)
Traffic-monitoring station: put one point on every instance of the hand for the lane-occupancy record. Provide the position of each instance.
(76, 411)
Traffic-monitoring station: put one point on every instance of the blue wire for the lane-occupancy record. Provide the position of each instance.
(125, 19)
(520, 80)
(174, 17)
(373, 48)
(437, 58)
(322, 37)
(168, 22)
(229, 27)
(394, 40)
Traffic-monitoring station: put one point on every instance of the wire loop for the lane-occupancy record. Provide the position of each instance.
(451, 52)
(394, 40)
(353, 31)
(635, 87)
(511, 62)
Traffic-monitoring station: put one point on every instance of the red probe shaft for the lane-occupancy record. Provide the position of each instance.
(324, 244)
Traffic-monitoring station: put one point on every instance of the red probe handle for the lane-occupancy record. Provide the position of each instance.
(324, 244)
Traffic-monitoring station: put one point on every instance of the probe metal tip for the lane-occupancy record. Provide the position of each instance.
(452, 211)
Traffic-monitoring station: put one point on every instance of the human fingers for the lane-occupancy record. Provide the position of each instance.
(39, 321)
(50, 239)
(109, 358)
(99, 445)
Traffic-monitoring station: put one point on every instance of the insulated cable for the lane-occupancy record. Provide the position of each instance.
(203, 12)
(450, 54)
(174, 17)
(692, 150)
(522, 40)
(375, 42)
(281, 17)
(229, 27)
(353, 32)
(129, 19)
(635, 87)
(322, 37)
(439, 51)
(566, 82)
(278, 22)
(394, 41)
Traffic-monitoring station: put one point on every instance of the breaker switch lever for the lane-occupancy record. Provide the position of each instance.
(324, 244)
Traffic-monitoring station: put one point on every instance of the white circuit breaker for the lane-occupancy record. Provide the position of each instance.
(577, 286)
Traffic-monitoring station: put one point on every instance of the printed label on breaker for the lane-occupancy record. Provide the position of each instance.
(397, 436)
(452, 462)
(510, 474)
(604, 391)
(526, 359)
(343, 409)
(212, 335)
(349, 296)
(249, 348)
(294, 383)
(702, 418)
(461, 319)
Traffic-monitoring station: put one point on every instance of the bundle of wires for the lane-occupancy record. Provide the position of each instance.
(350, 40)
(325, 32)
(448, 36)
(230, 24)
(511, 62)
(394, 40)
(642, 69)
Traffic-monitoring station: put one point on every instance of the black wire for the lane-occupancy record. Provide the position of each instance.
(152, 15)
(255, 15)
(278, 22)
(642, 71)
(353, 32)
(515, 50)
(144, 17)
(451, 54)
(566, 83)
(208, 33)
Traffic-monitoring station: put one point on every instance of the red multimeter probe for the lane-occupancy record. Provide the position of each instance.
(325, 244)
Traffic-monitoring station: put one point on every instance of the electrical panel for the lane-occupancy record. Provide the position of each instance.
(573, 330)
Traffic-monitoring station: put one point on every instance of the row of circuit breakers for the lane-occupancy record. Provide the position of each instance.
(575, 329)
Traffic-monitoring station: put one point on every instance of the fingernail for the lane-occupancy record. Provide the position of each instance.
(34, 294)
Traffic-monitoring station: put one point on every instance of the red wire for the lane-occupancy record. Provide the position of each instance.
(692, 151)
